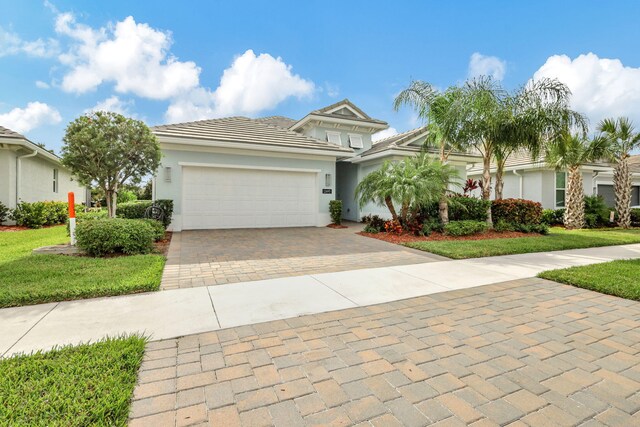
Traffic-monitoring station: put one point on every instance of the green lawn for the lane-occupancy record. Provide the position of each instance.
(89, 384)
(558, 239)
(32, 279)
(619, 278)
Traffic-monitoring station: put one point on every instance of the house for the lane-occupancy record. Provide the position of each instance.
(30, 173)
(275, 171)
(532, 179)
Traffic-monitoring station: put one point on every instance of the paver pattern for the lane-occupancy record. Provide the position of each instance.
(216, 257)
(528, 352)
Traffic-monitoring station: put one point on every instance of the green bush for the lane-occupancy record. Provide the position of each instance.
(37, 214)
(102, 237)
(503, 226)
(167, 207)
(374, 221)
(463, 208)
(532, 228)
(126, 196)
(137, 209)
(335, 210)
(465, 228)
(596, 212)
(371, 229)
(553, 216)
(4, 213)
(635, 217)
(516, 211)
(158, 228)
(92, 213)
(432, 225)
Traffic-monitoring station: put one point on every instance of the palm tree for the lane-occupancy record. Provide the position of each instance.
(498, 122)
(623, 139)
(411, 183)
(434, 107)
(377, 187)
(570, 152)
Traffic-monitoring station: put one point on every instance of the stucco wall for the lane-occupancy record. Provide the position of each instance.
(321, 134)
(346, 182)
(173, 190)
(36, 183)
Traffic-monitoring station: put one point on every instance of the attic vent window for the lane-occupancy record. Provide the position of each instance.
(334, 138)
(355, 141)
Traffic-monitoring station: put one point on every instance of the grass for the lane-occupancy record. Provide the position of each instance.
(558, 239)
(619, 278)
(90, 384)
(33, 279)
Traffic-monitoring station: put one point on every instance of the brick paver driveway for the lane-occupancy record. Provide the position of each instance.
(215, 257)
(529, 352)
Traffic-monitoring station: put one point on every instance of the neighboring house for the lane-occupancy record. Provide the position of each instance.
(533, 179)
(274, 171)
(29, 173)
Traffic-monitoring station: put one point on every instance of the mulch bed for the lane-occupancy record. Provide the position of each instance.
(162, 246)
(337, 226)
(434, 237)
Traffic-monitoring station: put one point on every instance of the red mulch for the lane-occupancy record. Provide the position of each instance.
(162, 246)
(407, 238)
(337, 226)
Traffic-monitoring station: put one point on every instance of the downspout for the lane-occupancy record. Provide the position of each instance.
(18, 163)
(515, 172)
(595, 182)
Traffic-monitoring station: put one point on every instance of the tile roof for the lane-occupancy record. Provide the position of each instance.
(8, 133)
(280, 121)
(245, 130)
(394, 141)
(343, 102)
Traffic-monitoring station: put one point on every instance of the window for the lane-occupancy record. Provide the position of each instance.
(327, 180)
(334, 138)
(55, 180)
(561, 187)
(355, 141)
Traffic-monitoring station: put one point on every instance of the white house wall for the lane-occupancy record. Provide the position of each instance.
(173, 190)
(7, 182)
(320, 133)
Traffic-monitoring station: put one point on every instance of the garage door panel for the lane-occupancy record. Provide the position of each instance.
(246, 198)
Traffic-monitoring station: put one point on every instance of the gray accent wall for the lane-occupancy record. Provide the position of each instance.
(346, 182)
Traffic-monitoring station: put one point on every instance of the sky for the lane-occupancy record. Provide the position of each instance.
(167, 61)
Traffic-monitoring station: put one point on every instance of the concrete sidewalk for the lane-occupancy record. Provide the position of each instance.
(174, 313)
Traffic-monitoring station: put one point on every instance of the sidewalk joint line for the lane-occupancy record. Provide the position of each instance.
(29, 330)
(329, 287)
(215, 314)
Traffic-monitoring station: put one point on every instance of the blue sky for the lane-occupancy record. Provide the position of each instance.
(166, 61)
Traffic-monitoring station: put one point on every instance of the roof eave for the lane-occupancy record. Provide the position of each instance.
(375, 126)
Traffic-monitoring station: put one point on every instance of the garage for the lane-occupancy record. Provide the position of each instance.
(244, 197)
(608, 194)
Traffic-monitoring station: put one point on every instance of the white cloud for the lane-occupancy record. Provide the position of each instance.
(252, 83)
(384, 134)
(35, 114)
(12, 44)
(42, 85)
(134, 56)
(601, 87)
(482, 65)
(332, 90)
(113, 104)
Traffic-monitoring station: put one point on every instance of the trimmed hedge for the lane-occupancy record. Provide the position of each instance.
(553, 216)
(462, 208)
(516, 211)
(136, 210)
(465, 228)
(38, 214)
(335, 210)
(108, 236)
(158, 228)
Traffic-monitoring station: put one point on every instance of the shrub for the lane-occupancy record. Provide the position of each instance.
(635, 217)
(463, 208)
(393, 227)
(465, 228)
(374, 221)
(137, 209)
(167, 207)
(370, 229)
(102, 237)
(516, 211)
(532, 228)
(93, 213)
(4, 213)
(37, 214)
(158, 228)
(502, 226)
(432, 225)
(596, 212)
(553, 216)
(335, 210)
(126, 196)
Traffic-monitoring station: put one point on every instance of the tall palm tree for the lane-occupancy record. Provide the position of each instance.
(434, 107)
(570, 152)
(498, 122)
(377, 187)
(622, 138)
(411, 183)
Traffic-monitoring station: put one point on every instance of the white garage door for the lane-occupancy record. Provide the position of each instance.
(247, 198)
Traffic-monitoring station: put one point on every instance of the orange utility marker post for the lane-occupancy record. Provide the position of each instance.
(72, 217)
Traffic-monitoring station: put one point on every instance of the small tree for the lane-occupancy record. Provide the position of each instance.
(109, 150)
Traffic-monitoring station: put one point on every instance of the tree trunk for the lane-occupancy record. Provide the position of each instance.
(392, 209)
(574, 211)
(112, 199)
(443, 210)
(404, 211)
(622, 188)
(486, 184)
(499, 181)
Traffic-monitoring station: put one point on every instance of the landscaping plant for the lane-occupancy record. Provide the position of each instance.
(109, 236)
(335, 210)
(110, 150)
(38, 214)
(623, 139)
(374, 222)
(517, 211)
(465, 228)
(4, 213)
